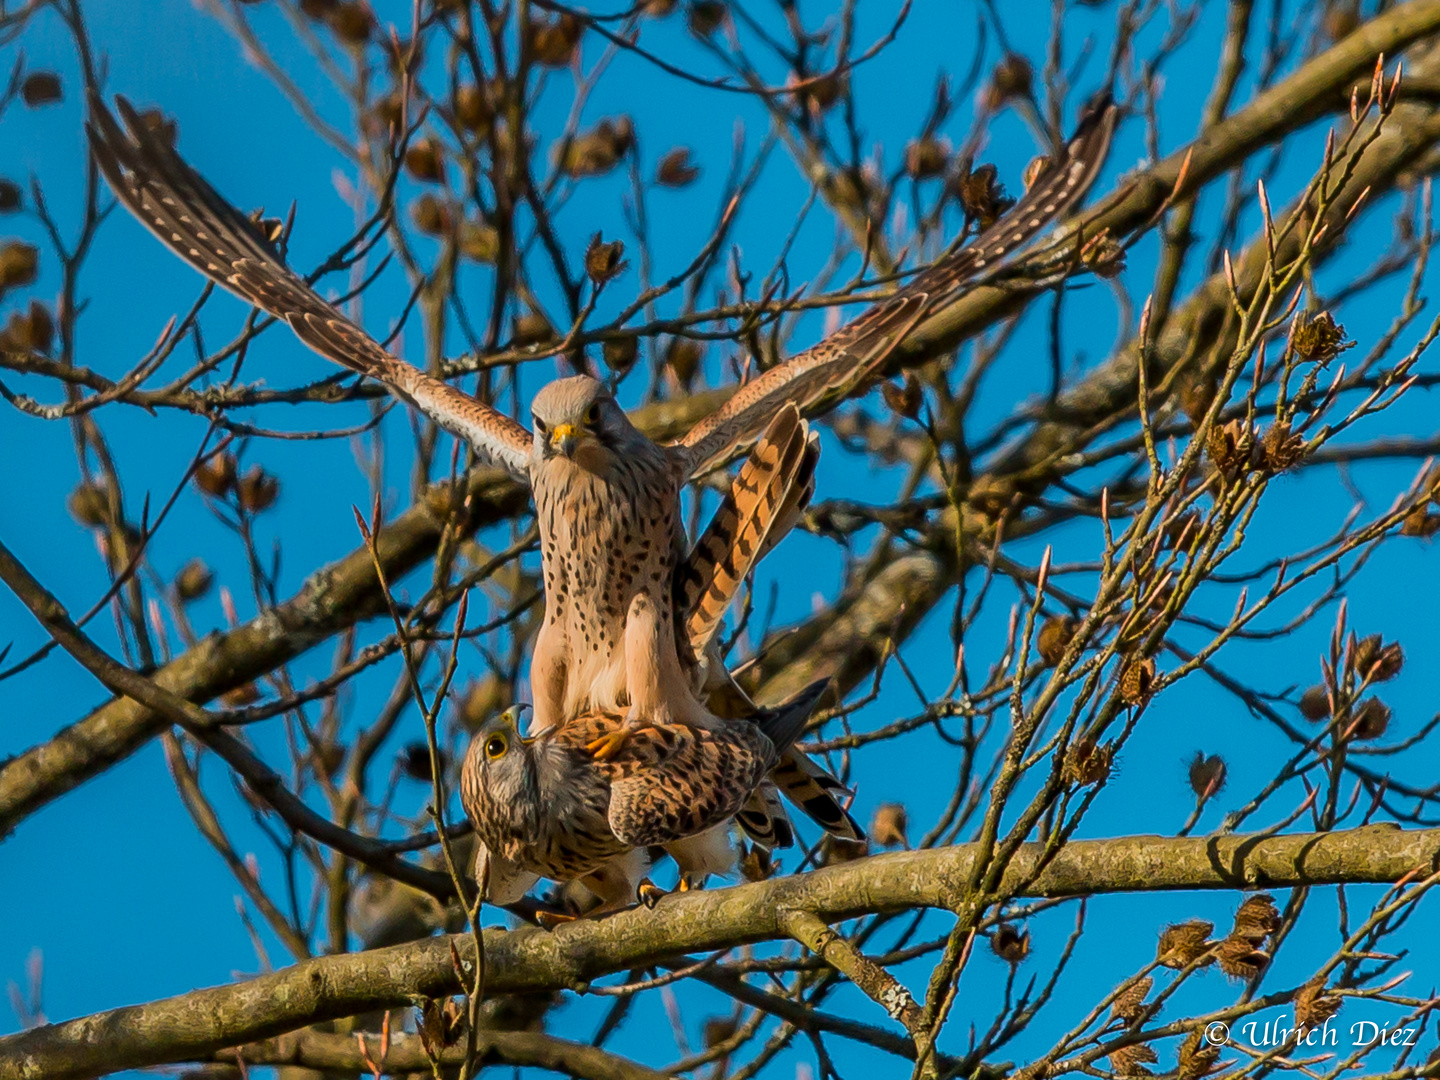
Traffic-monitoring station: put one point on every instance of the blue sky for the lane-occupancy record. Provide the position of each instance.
(113, 886)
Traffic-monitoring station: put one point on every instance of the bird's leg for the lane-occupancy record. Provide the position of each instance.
(643, 648)
(549, 920)
(547, 677)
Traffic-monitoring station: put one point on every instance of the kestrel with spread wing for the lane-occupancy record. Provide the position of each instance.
(545, 806)
(607, 498)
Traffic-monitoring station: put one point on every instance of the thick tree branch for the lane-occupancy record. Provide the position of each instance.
(525, 1049)
(202, 1023)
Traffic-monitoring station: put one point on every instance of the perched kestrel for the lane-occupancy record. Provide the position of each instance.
(607, 497)
(545, 806)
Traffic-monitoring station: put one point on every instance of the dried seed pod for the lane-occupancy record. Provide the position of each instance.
(1420, 522)
(472, 108)
(440, 1025)
(431, 215)
(981, 196)
(1055, 636)
(257, 490)
(481, 699)
(1315, 704)
(478, 241)
(926, 157)
(905, 399)
(160, 126)
(1239, 958)
(425, 161)
(1313, 1005)
(1137, 680)
(10, 196)
(270, 229)
(1207, 775)
(384, 116)
(240, 696)
(817, 95)
(531, 328)
(1129, 1004)
(1197, 1058)
(1341, 20)
(834, 851)
(1377, 661)
(1230, 447)
(889, 825)
(1372, 719)
(352, 23)
(658, 9)
(29, 331)
(40, 88)
(1280, 449)
(194, 580)
(619, 354)
(1032, 171)
(1180, 530)
(89, 504)
(604, 261)
(1012, 78)
(1320, 339)
(1131, 1060)
(705, 17)
(675, 169)
(1196, 394)
(1103, 256)
(683, 357)
(1009, 943)
(216, 475)
(1087, 763)
(553, 43)
(1183, 943)
(1257, 918)
(597, 151)
(329, 756)
(757, 864)
(414, 761)
(19, 265)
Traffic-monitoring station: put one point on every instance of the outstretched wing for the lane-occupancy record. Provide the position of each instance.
(176, 203)
(848, 359)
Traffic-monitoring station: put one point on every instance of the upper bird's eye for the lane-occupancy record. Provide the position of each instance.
(495, 746)
(592, 414)
(539, 424)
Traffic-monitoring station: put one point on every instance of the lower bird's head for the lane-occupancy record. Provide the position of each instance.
(577, 419)
(501, 761)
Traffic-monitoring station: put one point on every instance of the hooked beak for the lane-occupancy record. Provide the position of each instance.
(563, 439)
(512, 716)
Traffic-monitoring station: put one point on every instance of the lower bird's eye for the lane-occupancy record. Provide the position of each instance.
(494, 746)
(592, 414)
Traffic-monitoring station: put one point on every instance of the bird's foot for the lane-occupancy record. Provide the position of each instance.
(650, 894)
(607, 746)
(549, 920)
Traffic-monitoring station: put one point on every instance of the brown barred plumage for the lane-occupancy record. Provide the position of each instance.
(543, 805)
(607, 497)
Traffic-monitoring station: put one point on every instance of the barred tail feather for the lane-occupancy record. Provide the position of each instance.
(764, 820)
(764, 502)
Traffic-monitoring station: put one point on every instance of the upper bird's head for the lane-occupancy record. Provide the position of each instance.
(577, 418)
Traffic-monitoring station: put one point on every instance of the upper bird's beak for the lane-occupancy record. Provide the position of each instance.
(563, 439)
